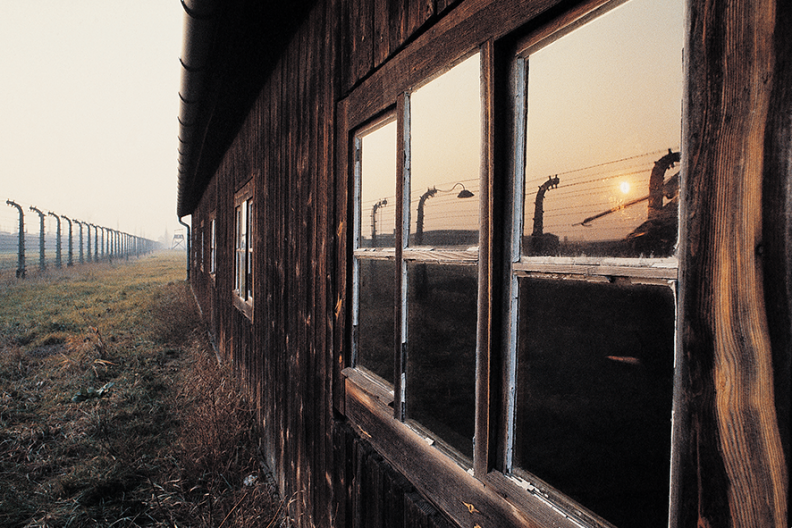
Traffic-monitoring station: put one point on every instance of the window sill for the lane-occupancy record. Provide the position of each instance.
(246, 307)
(495, 500)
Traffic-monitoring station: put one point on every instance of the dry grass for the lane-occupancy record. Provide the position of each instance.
(113, 410)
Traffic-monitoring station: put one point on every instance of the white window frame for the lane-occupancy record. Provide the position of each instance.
(243, 250)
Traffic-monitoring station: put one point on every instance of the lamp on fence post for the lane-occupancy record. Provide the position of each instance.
(20, 272)
(69, 261)
(41, 237)
(57, 240)
(419, 223)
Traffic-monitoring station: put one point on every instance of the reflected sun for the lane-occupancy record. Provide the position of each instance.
(624, 187)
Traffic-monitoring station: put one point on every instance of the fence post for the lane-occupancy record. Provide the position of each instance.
(88, 228)
(20, 272)
(42, 265)
(69, 261)
(96, 242)
(57, 240)
(80, 223)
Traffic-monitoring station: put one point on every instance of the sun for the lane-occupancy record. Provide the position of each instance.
(624, 187)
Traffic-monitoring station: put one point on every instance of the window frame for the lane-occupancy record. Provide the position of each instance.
(242, 287)
(202, 242)
(372, 407)
(657, 271)
(405, 253)
(213, 245)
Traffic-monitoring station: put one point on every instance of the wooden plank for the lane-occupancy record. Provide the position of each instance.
(436, 475)
(777, 226)
(402, 170)
(419, 12)
(441, 255)
(444, 5)
(597, 270)
(361, 37)
(341, 310)
(455, 35)
(397, 15)
(382, 39)
(395, 488)
(484, 390)
(728, 360)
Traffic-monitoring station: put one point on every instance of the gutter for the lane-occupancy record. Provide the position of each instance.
(200, 24)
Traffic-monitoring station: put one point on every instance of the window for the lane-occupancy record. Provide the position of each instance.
(595, 278)
(202, 241)
(427, 273)
(536, 349)
(374, 266)
(213, 246)
(243, 250)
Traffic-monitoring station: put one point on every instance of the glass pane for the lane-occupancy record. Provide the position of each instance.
(378, 187)
(375, 344)
(594, 395)
(604, 111)
(445, 156)
(441, 351)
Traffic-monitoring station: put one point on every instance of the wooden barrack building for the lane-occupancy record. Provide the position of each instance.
(500, 263)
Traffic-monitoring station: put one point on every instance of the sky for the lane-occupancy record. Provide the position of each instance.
(603, 103)
(88, 111)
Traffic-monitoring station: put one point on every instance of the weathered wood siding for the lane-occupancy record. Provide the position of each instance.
(735, 285)
(286, 146)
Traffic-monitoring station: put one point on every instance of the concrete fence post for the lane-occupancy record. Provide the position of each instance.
(20, 272)
(42, 263)
(57, 240)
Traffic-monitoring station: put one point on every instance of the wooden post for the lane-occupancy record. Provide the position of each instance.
(733, 471)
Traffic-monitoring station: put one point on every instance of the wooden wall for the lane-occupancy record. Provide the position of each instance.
(288, 354)
(284, 355)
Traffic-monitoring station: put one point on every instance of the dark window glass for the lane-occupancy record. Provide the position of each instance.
(375, 350)
(594, 394)
(441, 362)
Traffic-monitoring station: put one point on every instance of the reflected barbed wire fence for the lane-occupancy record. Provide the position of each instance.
(34, 240)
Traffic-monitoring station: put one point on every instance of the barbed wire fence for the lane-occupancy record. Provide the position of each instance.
(34, 240)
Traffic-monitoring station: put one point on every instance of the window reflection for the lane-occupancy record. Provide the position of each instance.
(603, 136)
(445, 159)
(377, 180)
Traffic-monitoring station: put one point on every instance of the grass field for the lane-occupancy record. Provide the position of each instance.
(113, 411)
